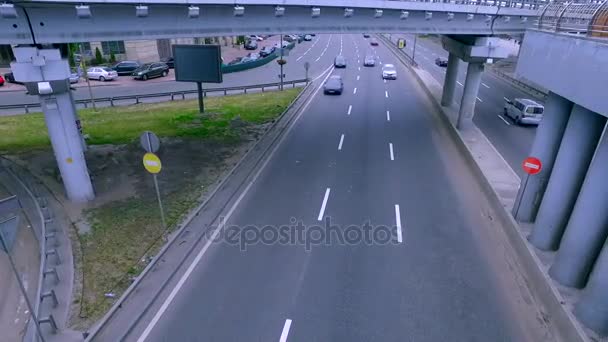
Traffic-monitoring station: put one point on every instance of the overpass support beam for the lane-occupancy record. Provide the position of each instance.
(469, 95)
(546, 144)
(588, 226)
(576, 150)
(592, 309)
(45, 74)
(449, 84)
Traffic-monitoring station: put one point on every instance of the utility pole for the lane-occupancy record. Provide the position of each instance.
(282, 62)
(414, 49)
(86, 76)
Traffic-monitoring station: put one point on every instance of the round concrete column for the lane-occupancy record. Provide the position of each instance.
(575, 152)
(67, 144)
(592, 309)
(469, 95)
(449, 83)
(588, 226)
(546, 144)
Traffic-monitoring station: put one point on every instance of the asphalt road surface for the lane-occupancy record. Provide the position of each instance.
(512, 141)
(373, 154)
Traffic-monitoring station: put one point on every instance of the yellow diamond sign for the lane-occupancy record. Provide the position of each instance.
(152, 163)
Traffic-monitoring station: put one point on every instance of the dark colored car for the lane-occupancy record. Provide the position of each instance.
(365, 35)
(373, 42)
(333, 85)
(267, 51)
(251, 45)
(340, 62)
(126, 67)
(169, 61)
(10, 78)
(1, 81)
(442, 62)
(151, 70)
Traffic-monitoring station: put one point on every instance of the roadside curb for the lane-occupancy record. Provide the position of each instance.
(540, 285)
(281, 123)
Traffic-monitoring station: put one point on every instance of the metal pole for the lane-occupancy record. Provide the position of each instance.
(281, 76)
(23, 291)
(523, 190)
(160, 203)
(201, 105)
(414, 49)
(86, 76)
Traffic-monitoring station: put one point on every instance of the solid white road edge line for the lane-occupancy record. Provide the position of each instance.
(199, 256)
(398, 223)
(285, 331)
(322, 211)
(390, 147)
(341, 142)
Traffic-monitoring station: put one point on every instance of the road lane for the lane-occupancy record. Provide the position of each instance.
(440, 283)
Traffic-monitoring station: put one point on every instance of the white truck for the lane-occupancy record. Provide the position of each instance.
(524, 111)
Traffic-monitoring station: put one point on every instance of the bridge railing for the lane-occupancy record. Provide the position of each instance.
(588, 18)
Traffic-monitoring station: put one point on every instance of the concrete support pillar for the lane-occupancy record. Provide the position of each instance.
(588, 226)
(449, 83)
(576, 150)
(592, 309)
(469, 95)
(67, 144)
(546, 144)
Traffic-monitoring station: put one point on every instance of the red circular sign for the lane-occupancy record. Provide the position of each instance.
(532, 165)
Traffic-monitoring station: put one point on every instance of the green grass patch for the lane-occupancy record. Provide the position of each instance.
(118, 125)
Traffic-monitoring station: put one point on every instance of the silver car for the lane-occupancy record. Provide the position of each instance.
(389, 72)
(101, 73)
(369, 61)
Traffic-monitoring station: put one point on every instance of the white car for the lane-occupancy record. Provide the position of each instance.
(285, 44)
(256, 37)
(307, 37)
(524, 111)
(102, 74)
(389, 72)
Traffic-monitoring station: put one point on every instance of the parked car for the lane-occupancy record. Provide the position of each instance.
(151, 70)
(279, 45)
(369, 60)
(256, 37)
(307, 37)
(267, 51)
(366, 35)
(389, 72)
(333, 85)
(524, 111)
(170, 61)
(235, 61)
(251, 45)
(442, 62)
(126, 67)
(252, 56)
(1, 81)
(340, 62)
(373, 42)
(102, 74)
(74, 77)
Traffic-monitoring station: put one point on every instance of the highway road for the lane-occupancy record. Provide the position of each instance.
(512, 141)
(374, 154)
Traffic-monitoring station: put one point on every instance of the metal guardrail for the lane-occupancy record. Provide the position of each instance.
(523, 85)
(588, 18)
(173, 95)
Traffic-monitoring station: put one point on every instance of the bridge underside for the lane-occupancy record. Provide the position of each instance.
(59, 23)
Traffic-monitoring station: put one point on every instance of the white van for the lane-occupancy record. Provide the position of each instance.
(524, 111)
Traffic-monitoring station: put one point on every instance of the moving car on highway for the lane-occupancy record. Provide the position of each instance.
(369, 60)
(389, 72)
(340, 62)
(366, 35)
(101, 74)
(151, 70)
(524, 111)
(442, 62)
(373, 42)
(126, 67)
(333, 85)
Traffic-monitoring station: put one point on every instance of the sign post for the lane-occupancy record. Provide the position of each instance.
(531, 166)
(153, 165)
(306, 67)
(401, 43)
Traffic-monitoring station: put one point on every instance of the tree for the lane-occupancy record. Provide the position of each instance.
(98, 57)
(71, 57)
(240, 40)
(112, 57)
